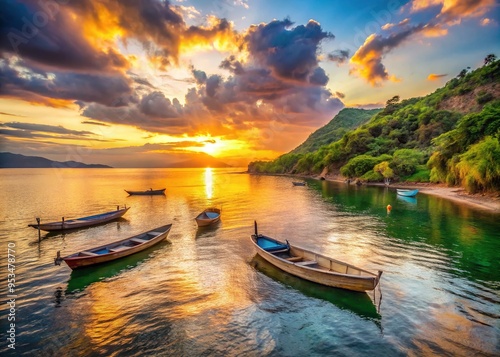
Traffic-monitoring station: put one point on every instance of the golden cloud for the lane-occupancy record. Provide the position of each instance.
(433, 76)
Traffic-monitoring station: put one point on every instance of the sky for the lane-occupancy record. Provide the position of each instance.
(149, 83)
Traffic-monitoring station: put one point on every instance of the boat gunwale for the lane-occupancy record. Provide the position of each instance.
(76, 256)
(84, 221)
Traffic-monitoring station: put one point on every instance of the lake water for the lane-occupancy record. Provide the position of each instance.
(205, 293)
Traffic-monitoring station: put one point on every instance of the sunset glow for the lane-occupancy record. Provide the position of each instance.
(157, 82)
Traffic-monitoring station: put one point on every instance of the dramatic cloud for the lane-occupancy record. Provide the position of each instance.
(18, 79)
(367, 61)
(291, 54)
(433, 77)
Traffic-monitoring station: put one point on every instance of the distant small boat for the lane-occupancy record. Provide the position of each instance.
(115, 250)
(406, 193)
(80, 222)
(295, 183)
(149, 192)
(208, 217)
(312, 266)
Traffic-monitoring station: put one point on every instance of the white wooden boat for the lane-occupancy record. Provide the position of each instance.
(115, 250)
(313, 266)
(406, 193)
(149, 192)
(208, 217)
(81, 222)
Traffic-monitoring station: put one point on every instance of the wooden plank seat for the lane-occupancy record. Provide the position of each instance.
(294, 259)
(119, 248)
(90, 254)
(138, 240)
(308, 262)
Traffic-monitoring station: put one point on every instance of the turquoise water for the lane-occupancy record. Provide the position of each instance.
(204, 292)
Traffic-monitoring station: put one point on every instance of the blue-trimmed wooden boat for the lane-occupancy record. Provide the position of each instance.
(208, 217)
(115, 250)
(149, 192)
(312, 266)
(406, 193)
(81, 222)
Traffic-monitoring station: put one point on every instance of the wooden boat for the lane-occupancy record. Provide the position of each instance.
(115, 250)
(406, 193)
(149, 192)
(313, 266)
(295, 183)
(80, 222)
(208, 217)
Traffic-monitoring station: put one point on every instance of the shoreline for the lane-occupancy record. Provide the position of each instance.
(482, 201)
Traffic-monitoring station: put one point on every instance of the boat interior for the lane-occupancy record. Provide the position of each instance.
(306, 258)
(132, 242)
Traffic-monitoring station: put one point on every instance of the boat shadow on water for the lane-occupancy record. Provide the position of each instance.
(80, 279)
(207, 231)
(360, 303)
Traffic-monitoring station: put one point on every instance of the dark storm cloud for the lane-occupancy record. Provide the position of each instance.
(17, 78)
(339, 56)
(43, 32)
(155, 104)
(290, 53)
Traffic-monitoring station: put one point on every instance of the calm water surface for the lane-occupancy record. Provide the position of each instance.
(205, 293)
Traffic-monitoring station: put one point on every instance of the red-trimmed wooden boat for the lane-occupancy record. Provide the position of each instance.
(312, 266)
(81, 222)
(115, 250)
(149, 192)
(208, 217)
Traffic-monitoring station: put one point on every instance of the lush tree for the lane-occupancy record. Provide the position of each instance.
(490, 59)
(405, 161)
(479, 167)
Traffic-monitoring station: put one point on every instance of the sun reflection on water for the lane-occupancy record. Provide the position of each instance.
(208, 182)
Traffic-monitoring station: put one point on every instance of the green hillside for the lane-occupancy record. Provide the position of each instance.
(449, 136)
(346, 120)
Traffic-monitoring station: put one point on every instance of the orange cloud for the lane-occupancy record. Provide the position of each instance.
(433, 76)
(452, 11)
(367, 61)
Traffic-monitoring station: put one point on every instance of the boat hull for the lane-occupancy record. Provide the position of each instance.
(407, 193)
(350, 280)
(208, 217)
(147, 193)
(76, 261)
(81, 222)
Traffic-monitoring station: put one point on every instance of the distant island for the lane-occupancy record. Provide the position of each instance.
(10, 160)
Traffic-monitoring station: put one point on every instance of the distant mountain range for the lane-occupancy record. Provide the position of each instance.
(9, 160)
